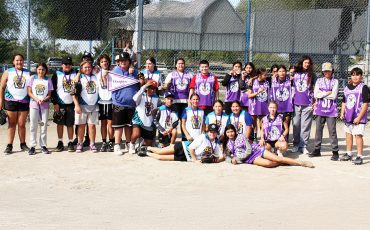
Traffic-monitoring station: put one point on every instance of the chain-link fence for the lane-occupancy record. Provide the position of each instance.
(278, 32)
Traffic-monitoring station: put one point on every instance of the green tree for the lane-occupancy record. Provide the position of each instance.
(8, 26)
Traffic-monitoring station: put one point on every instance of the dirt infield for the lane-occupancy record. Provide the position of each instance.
(103, 191)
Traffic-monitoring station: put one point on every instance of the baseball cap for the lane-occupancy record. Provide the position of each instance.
(124, 56)
(327, 66)
(67, 61)
(168, 94)
(213, 127)
(153, 83)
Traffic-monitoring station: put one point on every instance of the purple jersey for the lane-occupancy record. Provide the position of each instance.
(244, 100)
(325, 107)
(281, 93)
(232, 89)
(205, 89)
(259, 104)
(180, 85)
(303, 94)
(354, 104)
(272, 129)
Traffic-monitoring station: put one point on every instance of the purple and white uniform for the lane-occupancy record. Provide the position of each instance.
(205, 89)
(179, 85)
(302, 93)
(324, 106)
(282, 93)
(240, 145)
(259, 104)
(272, 129)
(353, 104)
(232, 89)
(244, 100)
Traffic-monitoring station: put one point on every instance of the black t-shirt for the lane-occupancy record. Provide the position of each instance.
(365, 93)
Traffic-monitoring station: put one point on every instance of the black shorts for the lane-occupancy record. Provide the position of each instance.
(68, 118)
(179, 154)
(15, 106)
(165, 140)
(122, 116)
(105, 111)
(146, 134)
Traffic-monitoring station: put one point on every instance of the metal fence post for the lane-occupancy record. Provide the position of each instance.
(367, 54)
(139, 32)
(29, 36)
(247, 31)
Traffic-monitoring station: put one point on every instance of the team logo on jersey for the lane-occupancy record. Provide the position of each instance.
(148, 108)
(239, 127)
(301, 85)
(195, 122)
(168, 122)
(274, 133)
(204, 88)
(234, 86)
(181, 84)
(40, 89)
(262, 96)
(91, 87)
(207, 150)
(282, 94)
(19, 83)
(67, 87)
(350, 101)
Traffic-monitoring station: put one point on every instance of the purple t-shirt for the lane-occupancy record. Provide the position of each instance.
(40, 88)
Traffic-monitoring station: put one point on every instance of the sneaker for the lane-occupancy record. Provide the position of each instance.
(32, 151)
(124, 148)
(142, 154)
(86, 142)
(141, 149)
(93, 148)
(295, 149)
(110, 147)
(346, 157)
(104, 147)
(307, 164)
(140, 143)
(358, 161)
(117, 150)
(131, 148)
(60, 147)
(305, 151)
(70, 148)
(44, 150)
(315, 153)
(24, 147)
(8, 150)
(79, 148)
(75, 141)
(335, 156)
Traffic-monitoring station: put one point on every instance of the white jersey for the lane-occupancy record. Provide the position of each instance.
(105, 96)
(202, 144)
(194, 121)
(16, 85)
(40, 87)
(64, 87)
(90, 90)
(220, 120)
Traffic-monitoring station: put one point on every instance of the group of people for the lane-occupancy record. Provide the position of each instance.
(255, 103)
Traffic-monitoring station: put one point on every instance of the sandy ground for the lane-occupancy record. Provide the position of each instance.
(103, 191)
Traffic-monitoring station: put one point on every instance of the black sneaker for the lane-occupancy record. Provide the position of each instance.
(24, 147)
(70, 147)
(335, 156)
(32, 151)
(346, 157)
(110, 147)
(315, 153)
(75, 141)
(358, 161)
(86, 142)
(104, 147)
(45, 150)
(8, 150)
(60, 147)
(141, 149)
(142, 154)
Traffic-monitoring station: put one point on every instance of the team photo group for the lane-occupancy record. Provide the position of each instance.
(242, 118)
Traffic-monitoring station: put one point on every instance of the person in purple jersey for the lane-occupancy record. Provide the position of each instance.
(354, 114)
(274, 130)
(303, 81)
(258, 95)
(232, 82)
(282, 93)
(325, 108)
(248, 74)
(239, 150)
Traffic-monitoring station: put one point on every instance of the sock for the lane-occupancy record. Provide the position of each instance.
(349, 154)
(70, 140)
(104, 140)
(23, 143)
(361, 156)
(111, 140)
(60, 139)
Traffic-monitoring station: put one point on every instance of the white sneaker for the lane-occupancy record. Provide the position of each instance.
(124, 148)
(295, 149)
(131, 148)
(305, 151)
(117, 150)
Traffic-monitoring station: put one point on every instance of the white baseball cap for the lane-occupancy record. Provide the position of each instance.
(327, 66)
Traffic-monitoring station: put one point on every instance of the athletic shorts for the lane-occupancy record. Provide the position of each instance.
(15, 106)
(105, 111)
(179, 154)
(146, 134)
(355, 129)
(165, 140)
(69, 115)
(87, 118)
(122, 116)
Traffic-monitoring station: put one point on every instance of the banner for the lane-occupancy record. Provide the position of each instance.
(117, 81)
